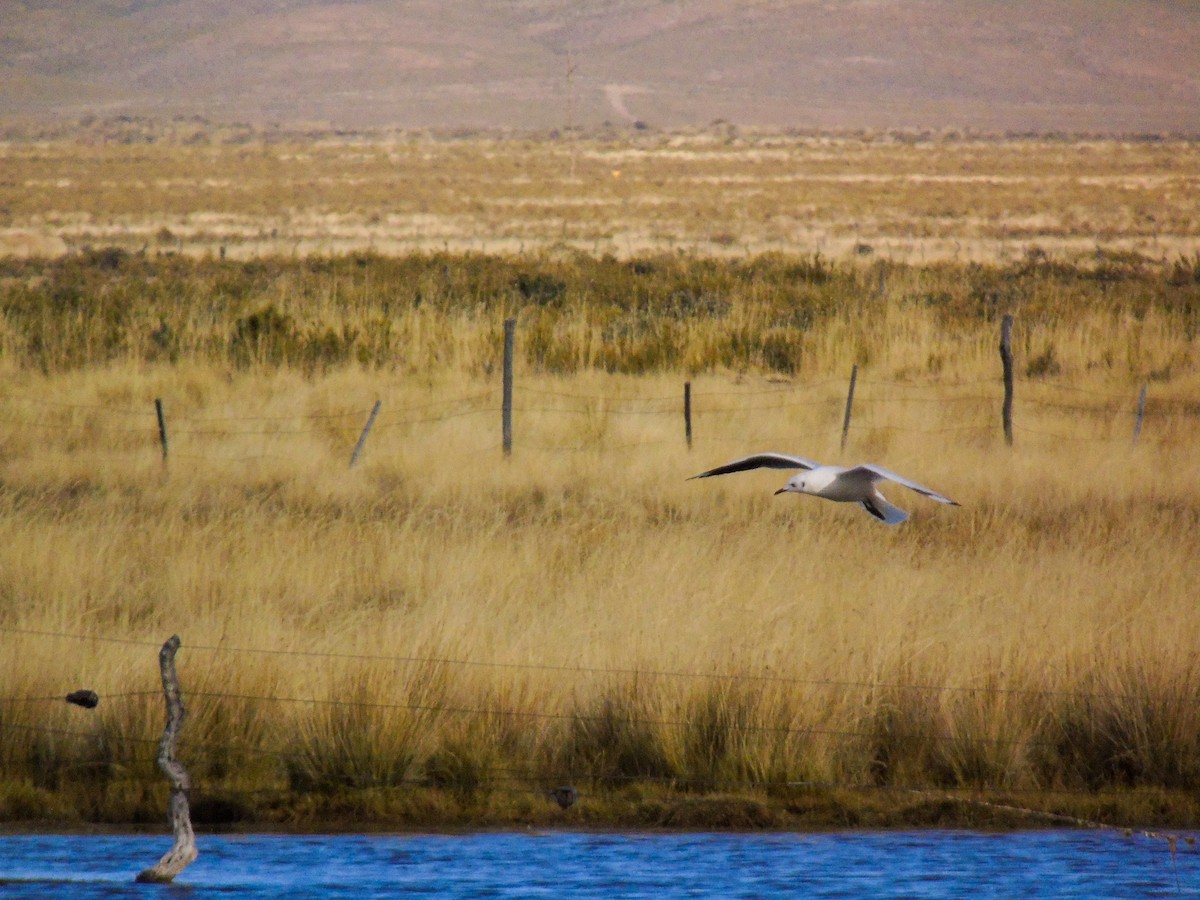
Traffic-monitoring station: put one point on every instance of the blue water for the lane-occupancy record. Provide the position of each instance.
(575, 864)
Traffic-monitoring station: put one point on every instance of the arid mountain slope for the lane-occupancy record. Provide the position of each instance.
(1072, 65)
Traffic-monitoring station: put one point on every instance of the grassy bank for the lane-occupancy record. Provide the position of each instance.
(440, 635)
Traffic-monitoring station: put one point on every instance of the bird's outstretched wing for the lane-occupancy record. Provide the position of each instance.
(875, 473)
(760, 461)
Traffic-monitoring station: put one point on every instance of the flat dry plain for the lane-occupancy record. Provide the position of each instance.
(440, 634)
(910, 198)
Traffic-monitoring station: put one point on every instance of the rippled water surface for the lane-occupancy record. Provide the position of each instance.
(575, 864)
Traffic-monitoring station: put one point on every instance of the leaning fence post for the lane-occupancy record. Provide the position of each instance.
(687, 412)
(849, 405)
(1006, 359)
(510, 326)
(362, 438)
(1141, 413)
(183, 853)
(162, 427)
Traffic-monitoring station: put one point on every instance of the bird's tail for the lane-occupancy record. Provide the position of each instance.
(884, 511)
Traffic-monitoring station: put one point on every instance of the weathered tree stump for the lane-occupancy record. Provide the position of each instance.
(184, 852)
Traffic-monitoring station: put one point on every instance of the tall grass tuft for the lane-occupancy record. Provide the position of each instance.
(613, 740)
(352, 740)
(1128, 725)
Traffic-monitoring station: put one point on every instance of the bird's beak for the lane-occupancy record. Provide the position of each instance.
(782, 490)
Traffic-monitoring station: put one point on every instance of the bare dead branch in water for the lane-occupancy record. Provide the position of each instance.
(183, 852)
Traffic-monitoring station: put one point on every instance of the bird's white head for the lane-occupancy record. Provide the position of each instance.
(797, 484)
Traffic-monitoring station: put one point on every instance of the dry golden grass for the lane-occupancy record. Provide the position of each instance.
(445, 616)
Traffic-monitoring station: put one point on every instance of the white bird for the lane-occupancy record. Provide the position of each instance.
(844, 485)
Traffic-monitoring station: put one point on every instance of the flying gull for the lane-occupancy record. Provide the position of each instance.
(844, 485)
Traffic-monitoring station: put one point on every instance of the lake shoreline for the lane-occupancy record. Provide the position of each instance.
(431, 811)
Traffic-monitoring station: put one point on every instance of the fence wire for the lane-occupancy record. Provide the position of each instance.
(559, 668)
(880, 408)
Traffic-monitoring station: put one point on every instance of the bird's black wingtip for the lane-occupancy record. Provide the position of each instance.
(874, 510)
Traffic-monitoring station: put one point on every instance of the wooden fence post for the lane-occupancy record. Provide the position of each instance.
(183, 853)
(849, 405)
(1006, 359)
(510, 326)
(1141, 413)
(687, 412)
(162, 427)
(362, 438)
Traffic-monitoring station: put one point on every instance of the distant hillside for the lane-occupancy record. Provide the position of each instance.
(1026, 65)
